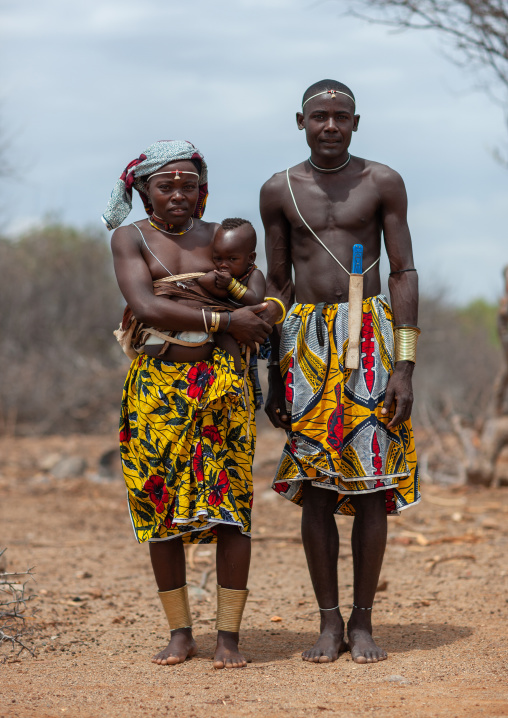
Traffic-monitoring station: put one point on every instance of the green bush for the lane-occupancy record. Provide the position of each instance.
(61, 367)
(458, 361)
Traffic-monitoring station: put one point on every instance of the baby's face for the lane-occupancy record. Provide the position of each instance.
(231, 251)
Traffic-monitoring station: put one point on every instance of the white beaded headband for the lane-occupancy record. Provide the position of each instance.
(177, 173)
(332, 93)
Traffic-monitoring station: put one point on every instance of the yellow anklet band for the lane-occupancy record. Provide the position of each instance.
(230, 605)
(176, 607)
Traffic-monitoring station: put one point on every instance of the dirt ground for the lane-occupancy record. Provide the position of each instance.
(441, 608)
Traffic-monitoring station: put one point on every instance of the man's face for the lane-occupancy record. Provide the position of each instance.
(328, 123)
(174, 196)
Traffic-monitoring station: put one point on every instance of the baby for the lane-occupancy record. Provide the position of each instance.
(236, 276)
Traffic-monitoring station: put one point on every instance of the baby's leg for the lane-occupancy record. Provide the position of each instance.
(230, 345)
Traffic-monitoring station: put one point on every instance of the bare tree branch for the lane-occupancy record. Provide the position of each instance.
(14, 600)
(478, 29)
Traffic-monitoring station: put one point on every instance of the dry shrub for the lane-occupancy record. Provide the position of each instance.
(16, 596)
(61, 368)
(459, 358)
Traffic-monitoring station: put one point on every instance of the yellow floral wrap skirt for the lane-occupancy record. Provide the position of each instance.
(187, 443)
(339, 439)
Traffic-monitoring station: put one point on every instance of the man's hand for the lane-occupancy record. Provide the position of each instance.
(400, 391)
(222, 278)
(247, 327)
(275, 407)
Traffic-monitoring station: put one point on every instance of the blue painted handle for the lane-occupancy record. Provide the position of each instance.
(357, 264)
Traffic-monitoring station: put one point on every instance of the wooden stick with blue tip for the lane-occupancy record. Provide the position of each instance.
(355, 310)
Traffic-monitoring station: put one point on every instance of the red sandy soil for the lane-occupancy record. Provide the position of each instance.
(440, 611)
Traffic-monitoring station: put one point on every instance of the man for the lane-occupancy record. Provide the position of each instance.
(186, 452)
(350, 446)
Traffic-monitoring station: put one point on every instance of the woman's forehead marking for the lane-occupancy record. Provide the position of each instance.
(177, 174)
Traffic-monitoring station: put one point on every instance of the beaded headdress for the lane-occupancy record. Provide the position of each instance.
(138, 171)
(332, 94)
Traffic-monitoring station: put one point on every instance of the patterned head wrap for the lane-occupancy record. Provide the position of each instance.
(137, 172)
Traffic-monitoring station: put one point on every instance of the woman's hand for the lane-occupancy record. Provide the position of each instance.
(247, 327)
(272, 313)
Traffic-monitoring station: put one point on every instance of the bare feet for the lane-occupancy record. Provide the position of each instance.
(227, 654)
(361, 644)
(331, 641)
(181, 646)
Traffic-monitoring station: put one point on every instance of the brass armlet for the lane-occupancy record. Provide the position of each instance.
(236, 288)
(230, 605)
(406, 338)
(176, 607)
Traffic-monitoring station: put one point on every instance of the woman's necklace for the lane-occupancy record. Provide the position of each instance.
(334, 169)
(155, 222)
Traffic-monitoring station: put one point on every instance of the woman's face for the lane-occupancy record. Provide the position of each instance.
(175, 193)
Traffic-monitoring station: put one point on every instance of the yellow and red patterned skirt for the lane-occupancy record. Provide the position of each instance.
(187, 443)
(339, 439)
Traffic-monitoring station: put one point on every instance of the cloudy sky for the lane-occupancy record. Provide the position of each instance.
(88, 85)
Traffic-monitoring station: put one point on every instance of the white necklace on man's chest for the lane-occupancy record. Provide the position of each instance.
(333, 169)
(332, 255)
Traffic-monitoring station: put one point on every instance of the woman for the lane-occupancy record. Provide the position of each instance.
(185, 445)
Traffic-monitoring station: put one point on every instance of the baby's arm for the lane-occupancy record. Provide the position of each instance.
(256, 289)
(208, 282)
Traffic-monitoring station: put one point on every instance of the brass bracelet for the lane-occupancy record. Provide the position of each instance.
(281, 305)
(239, 290)
(236, 288)
(406, 338)
(215, 322)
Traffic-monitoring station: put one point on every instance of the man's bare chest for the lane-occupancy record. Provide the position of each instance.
(349, 208)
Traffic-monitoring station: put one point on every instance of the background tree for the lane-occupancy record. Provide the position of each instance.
(477, 29)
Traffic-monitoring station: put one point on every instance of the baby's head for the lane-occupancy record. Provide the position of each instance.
(234, 246)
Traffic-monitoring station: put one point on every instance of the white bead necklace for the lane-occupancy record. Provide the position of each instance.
(333, 169)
